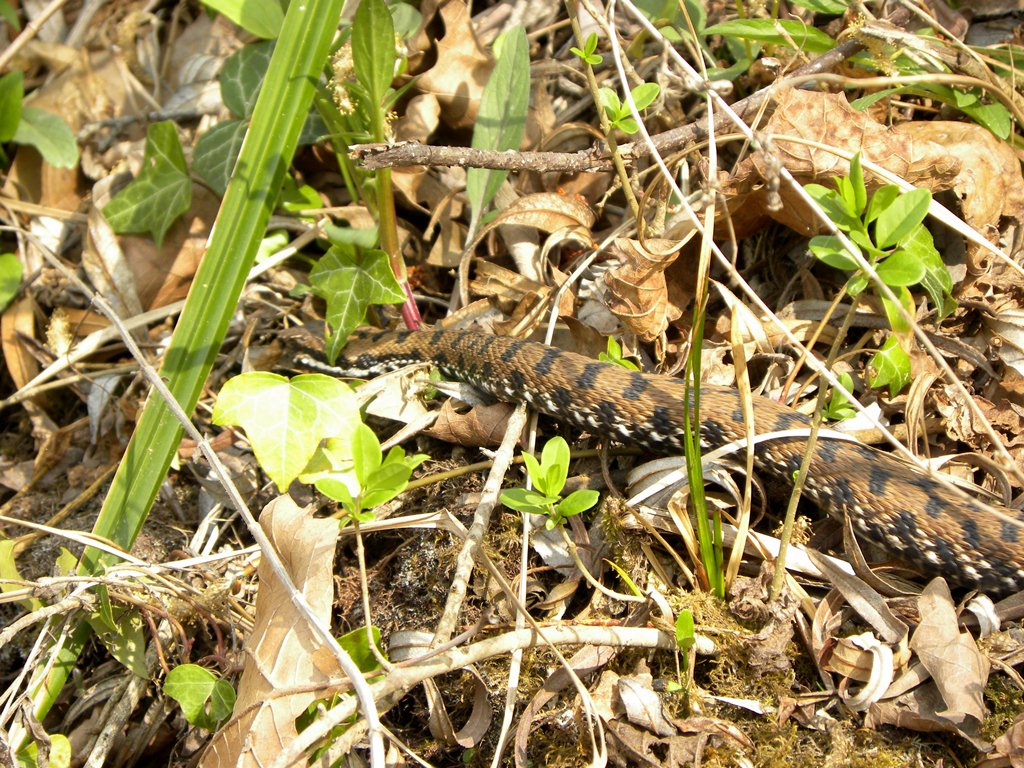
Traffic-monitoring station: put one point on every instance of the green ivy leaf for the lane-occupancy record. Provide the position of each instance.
(242, 76)
(891, 367)
(286, 420)
(937, 281)
(350, 280)
(162, 191)
(205, 700)
(213, 159)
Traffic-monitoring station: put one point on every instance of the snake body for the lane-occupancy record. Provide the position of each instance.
(928, 524)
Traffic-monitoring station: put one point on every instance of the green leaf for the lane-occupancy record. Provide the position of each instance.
(900, 268)
(578, 501)
(830, 249)
(937, 281)
(8, 14)
(262, 18)
(685, 635)
(12, 93)
(366, 453)
(286, 420)
(350, 281)
(10, 277)
(242, 76)
(891, 367)
(834, 206)
(59, 757)
(882, 199)
(356, 646)
(995, 117)
(525, 500)
(216, 152)
(775, 32)
(898, 220)
(373, 49)
(501, 120)
(554, 462)
(644, 95)
(162, 191)
(205, 700)
(587, 54)
(892, 310)
(839, 407)
(10, 576)
(857, 186)
(610, 103)
(122, 633)
(49, 134)
(824, 7)
(536, 473)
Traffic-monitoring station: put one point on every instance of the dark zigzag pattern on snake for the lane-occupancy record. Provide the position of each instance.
(936, 528)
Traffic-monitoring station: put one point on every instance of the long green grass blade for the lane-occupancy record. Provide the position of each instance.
(266, 153)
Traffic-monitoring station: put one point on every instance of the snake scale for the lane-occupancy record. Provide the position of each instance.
(928, 524)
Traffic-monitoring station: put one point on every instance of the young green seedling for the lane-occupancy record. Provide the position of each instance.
(548, 477)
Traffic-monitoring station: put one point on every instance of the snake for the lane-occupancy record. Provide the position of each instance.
(926, 523)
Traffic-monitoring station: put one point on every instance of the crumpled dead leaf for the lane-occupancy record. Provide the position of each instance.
(935, 155)
(461, 65)
(283, 652)
(638, 290)
(959, 668)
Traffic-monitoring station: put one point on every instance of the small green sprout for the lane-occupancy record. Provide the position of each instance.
(548, 477)
(587, 54)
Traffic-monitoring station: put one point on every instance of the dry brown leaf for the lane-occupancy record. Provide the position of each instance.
(483, 425)
(643, 706)
(163, 275)
(549, 212)
(825, 118)
(989, 184)
(284, 654)
(461, 67)
(1009, 746)
(19, 319)
(638, 291)
(916, 711)
(952, 657)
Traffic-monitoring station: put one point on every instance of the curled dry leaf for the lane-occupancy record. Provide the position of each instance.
(483, 425)
(638, 292)
(461, 65)
(1009, 747)
(825, 119)
(959, 668)
(284, 654)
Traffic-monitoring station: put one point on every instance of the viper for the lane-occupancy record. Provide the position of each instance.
(929, 524)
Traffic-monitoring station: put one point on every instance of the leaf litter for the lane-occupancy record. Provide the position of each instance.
(847, 667)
